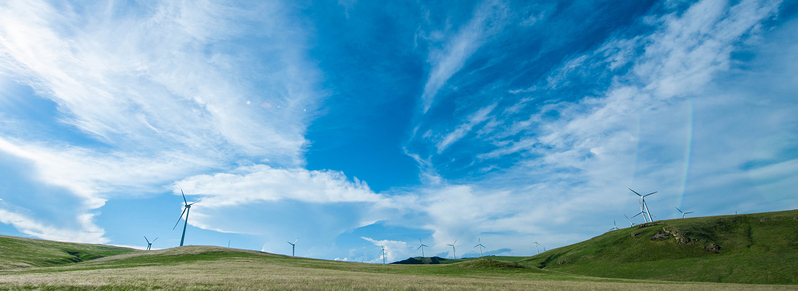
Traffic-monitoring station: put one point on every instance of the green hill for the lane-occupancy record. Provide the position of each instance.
(17, 252)
(754, 248)
(751, 248)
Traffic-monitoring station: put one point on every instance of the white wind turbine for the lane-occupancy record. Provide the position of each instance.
(643, 203)
(186, 210)
(422, 248)
(293, 246)
(614, 226)
(149, 243)
(383, 254)
(683, 213)
(641, 212)
(453, 250)
(480, 247)
(630, 221)
(536, 247)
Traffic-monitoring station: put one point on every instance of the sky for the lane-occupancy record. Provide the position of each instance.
(354, 125)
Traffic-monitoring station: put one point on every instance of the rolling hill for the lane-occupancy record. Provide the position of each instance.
(715, 251)
(752, 248)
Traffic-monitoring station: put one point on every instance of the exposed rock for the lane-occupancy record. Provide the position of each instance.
(647, 224)
(659, 236)
(563, 262)
(635, 234)
(712, 247)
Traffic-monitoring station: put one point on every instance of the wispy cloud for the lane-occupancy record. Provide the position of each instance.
(574, 158)
(449, 59)
(461, 130)
(165, 91)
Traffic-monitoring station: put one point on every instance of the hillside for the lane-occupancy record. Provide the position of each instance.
(17, 252)
(751, 248)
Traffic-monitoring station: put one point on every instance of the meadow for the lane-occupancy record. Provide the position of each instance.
(756, 248)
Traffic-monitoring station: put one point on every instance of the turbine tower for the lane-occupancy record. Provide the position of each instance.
(383, 254)
(186, 210)
(614, 226)
(422, 248)
(149, 243)
(536, 247)
(453, 250)
(643, 202)
(480, 247)
(630, 221)
(683, 213)
(293, 246)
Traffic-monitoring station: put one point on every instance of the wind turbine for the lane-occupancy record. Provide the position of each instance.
(149, 243)
(480, 247)
(422, 248)
(186, 210)
(641, 212)
(293, 246)
(614, 226)
(383, 254)
(453, 250)
(536, 247)
(630, 221)
(644, 205)
(683, 213)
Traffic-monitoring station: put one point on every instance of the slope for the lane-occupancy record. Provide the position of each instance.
(17, 252)
(753, 248)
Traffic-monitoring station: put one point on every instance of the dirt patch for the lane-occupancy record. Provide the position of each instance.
(563, 262)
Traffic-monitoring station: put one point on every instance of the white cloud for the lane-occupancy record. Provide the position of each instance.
(487, 20)
(678, 95)
(161, 89)
(263, 183)
(394, 250)
(461, 130)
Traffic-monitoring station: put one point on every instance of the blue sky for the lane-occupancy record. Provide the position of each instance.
(351, 125)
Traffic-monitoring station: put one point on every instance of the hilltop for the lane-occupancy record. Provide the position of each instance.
(751, 248)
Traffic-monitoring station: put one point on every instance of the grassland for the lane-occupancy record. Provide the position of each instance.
(754, 248)
(751, 248)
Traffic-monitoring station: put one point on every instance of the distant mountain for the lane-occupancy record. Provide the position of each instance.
(424, 260)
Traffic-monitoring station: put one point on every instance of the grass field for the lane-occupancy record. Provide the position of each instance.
(754, 248)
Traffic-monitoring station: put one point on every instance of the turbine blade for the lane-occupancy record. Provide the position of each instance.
(178, 219)
(650, 193)
(145, 238)
(688, 212)
(155, 239)
(184, 197)
(296, 241)
(195, 202)
(633, 191)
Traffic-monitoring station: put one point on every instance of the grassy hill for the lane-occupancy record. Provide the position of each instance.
(45, 265)
(751, 248)
(16, 252)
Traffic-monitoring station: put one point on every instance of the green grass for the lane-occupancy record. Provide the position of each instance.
(16, 252)
(754, 248)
